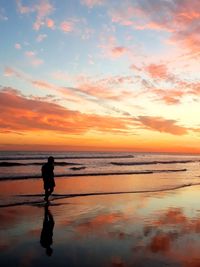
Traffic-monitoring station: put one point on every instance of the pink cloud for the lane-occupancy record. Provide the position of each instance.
(42, 10)
(18, 46)
(111, 49)
(92, 3)
(34, 60)
(118, 51)
(157, 71)
(8, 72)
(106, 88)
(24, 9)
(169, 97)
(179, 18)
(61, 75)
(67, 26)
(42, 84)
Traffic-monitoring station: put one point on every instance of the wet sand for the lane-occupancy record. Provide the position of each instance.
(139, 229)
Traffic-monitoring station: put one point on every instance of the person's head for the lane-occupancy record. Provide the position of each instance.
(51, 160)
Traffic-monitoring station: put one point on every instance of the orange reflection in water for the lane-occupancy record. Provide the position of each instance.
(130, 229)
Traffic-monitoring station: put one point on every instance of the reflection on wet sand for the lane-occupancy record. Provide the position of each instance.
(46, 238)
(160, 229)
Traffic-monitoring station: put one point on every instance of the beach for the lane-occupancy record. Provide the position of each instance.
(144, 218)
(126, 229)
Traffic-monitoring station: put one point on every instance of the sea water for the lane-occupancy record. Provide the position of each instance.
(90, 173)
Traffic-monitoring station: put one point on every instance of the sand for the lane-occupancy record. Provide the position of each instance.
(139, 229)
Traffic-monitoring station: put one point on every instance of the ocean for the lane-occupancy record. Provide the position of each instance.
(97, 172)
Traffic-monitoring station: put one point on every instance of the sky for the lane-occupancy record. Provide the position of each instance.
(100, 75)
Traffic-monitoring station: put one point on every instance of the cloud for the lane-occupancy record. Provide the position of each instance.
(111, 49)
(165, 86)
(43, 84)
(39, 114)
(111, 87)
(42, 9)
(179, 18)
(3, 16)
(169, 97)
(92, 3)
(41, 37)
(179, 90)
(50, 23)
(118, 51)
(8, 72)
(67, 26)
(19, 113)
(18, 46)
(34, 60)
(157, 71)
(162, 125)
(24, 9)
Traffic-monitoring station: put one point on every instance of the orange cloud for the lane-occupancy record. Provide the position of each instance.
(157, 71)
(162, 125)
(169, 97)
(25, 114)
(50, 23)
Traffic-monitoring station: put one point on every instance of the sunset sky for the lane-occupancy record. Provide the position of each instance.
(100, 75)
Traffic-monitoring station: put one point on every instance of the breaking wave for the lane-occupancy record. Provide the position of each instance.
(151, 162)
(23, 177)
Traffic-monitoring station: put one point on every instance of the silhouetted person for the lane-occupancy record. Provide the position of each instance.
(46, 238)
(48, 177)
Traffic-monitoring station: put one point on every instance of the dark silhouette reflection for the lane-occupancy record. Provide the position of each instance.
(46, 238)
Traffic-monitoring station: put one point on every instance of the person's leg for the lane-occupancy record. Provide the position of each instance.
(46, 194)
(51, 190)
